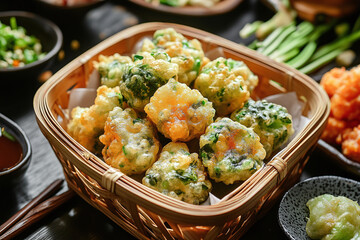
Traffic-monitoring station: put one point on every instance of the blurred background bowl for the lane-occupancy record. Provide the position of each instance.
(311, 10)
(66, 12)
(17, 171)
(47, 32)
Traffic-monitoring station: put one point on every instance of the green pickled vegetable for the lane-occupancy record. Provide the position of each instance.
(16, 47)
(333, 218)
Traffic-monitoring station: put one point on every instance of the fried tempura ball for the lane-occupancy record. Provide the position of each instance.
(270, 121)
(130, 142)
(351, 143)
(223, 84)
(179, 112)
(187, 54)
(112, 68)
(230, 151)
(332, 80)
(239, 68)
(87, 124)
(179, 174)
(141, 80)
(345, 104)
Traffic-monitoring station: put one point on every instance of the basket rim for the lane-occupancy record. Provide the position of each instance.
(140, 192)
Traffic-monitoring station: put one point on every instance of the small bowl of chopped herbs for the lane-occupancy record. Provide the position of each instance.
(28, 44)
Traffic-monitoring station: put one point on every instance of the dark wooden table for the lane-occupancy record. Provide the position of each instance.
(76, 219)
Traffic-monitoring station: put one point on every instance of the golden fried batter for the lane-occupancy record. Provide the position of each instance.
(112, 68)
(187, 54)
(270, 121)
(141, 80)
(222, 82)
(87, 124)
(179, 174)
(130, 142)
(180, 113)
(230, 151)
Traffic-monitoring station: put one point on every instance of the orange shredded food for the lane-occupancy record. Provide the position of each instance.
(345, 103)
(333, 79)
(343, 128)
(333, 130)
(351, 143)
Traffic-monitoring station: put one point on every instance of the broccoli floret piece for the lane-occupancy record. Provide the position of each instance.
(141, 80)
(140, 83)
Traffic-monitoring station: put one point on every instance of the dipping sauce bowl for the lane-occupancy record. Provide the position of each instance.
(15, 151)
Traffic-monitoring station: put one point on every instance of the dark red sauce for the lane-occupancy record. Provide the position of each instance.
(10, 153)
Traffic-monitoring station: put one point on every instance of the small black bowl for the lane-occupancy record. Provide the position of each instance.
(17, 171)
(48, 33)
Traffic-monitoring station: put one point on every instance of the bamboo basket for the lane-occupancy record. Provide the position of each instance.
(147, 214)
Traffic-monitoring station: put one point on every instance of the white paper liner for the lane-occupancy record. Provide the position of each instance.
(215, 53)
(81, 97)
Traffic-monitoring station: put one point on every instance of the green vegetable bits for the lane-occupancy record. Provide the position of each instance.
(270, 121)
(130, 143)
(179, 174)
(230, 151)
(144, 77)
(113, 68)
(16, 48)
(227, 83)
